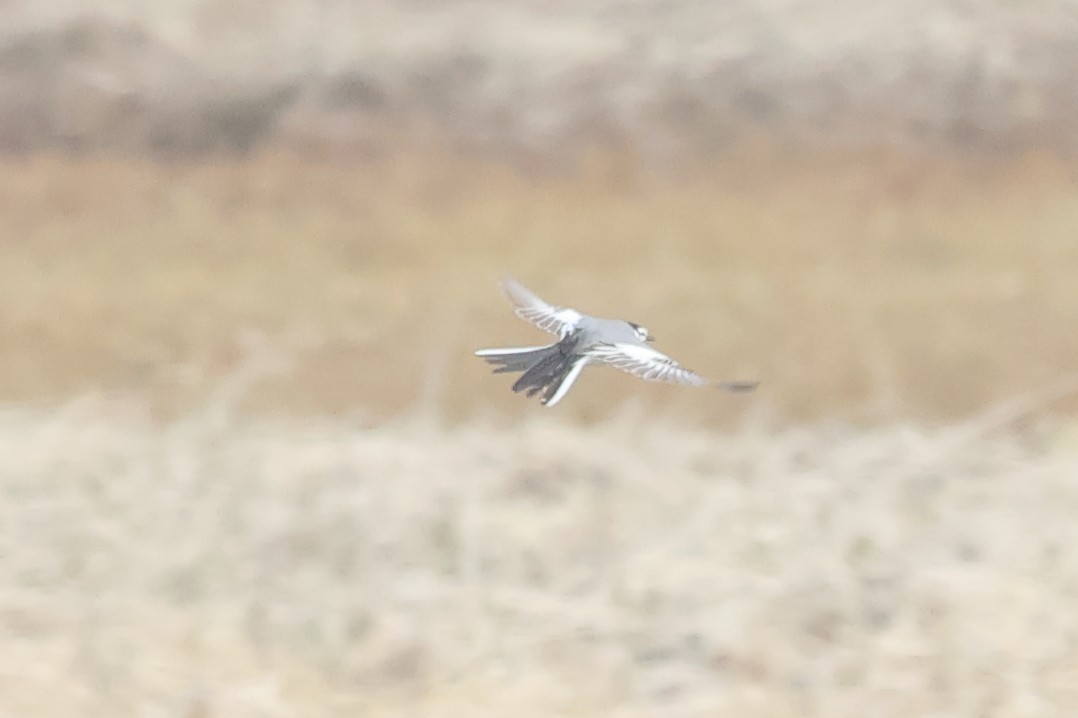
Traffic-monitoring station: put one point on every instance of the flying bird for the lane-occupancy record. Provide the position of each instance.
(552, 369)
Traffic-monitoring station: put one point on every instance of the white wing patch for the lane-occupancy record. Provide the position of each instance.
(507, 350)
(530, 308)
(646, 363)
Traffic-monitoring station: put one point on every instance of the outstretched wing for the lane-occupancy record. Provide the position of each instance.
(646, 363)
(737, 387)
(530, 308)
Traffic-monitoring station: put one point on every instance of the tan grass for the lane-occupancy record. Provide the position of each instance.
(406, 544)
(211, 566)
(870, 287)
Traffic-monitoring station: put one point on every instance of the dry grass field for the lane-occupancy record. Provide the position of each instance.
(866, 287)
(250, 467)
(212, 566)
(284, 487)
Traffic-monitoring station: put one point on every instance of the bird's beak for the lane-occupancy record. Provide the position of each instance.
(651, 337)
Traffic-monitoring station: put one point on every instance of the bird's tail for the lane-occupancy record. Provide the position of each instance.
(517, 359)
(550, 369)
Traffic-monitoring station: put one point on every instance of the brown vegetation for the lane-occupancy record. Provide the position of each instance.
(209, 567)
(888, 288)
(249, 467)
(532, 82)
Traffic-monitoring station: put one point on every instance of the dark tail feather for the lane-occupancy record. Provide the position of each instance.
(550, 369)
(544, 368)
(541, 373)
(518, 361)
(552, 389)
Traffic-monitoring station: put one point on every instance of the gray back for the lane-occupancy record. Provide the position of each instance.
(594, 330)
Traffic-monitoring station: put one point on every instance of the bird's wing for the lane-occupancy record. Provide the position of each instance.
(737, 387)
(530, 308)
(566, 382)
(646, 363)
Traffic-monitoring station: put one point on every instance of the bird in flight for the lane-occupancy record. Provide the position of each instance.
(552, 369)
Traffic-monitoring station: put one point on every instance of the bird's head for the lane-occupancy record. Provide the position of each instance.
(642, 332)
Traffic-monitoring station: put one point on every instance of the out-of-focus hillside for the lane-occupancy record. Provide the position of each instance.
(538, 80)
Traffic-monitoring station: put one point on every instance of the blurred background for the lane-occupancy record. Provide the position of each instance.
(249, 466)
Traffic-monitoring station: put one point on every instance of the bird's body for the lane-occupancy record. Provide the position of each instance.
(552, 369)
